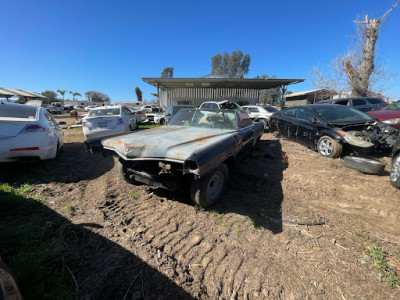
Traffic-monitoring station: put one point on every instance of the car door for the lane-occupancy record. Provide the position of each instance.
(56, 132)
(361, 104)
(246, 130)
(306, 127)
(254, 112)
(287, 124)
(127, 115)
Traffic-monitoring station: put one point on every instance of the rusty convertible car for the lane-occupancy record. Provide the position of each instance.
(197, 149)
(333, 129)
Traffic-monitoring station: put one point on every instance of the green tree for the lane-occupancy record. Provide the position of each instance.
(95, 96)
(50, 96)
(235, 65)
(168, 72)
(74, 94)
(139, 94)
(62, 93)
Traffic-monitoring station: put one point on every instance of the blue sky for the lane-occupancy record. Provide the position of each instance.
(108, 46)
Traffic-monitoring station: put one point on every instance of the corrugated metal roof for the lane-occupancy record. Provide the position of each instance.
(219, 82)
(7, 92)
(309, 92)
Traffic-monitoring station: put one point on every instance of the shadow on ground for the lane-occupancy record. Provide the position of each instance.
(254, 189)
(92, 266)
(72, 165)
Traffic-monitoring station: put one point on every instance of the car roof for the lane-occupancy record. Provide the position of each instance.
(110, 106)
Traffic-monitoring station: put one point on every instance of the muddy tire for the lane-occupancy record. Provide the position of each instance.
(207, 190)
(328, 147)
(122, 171)
(364, 165)
(395, 172)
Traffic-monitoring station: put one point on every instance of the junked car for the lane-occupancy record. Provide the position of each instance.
(388, 115)
(395, 170)
(28, 133)
(106, 121)
(360, 103)
(331, 129)
(170, 113)
(260, 113)
(198, 148)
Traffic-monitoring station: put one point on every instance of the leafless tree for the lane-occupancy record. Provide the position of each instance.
(356, 70)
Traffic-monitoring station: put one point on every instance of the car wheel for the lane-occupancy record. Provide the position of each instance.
(207, 190)
(123, 172)
(162, 122)
(265, 123)
(328, 147)
(395, 172)
(364, 165)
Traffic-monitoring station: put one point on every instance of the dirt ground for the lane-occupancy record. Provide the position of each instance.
(291, 225)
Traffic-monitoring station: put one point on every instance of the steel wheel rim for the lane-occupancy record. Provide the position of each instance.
(215, 185)
(395, 173)
(325, 147)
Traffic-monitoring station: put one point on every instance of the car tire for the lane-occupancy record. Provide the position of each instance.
(395, 171)
(162, 122)
(328, 147)
(364, 165)
(207, 190)
(122, 171)
(265, 123)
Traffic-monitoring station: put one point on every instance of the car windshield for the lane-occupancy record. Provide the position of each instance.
(18, 111)
(393, 106)
(342, 115)
(105, 112)
(221, 119)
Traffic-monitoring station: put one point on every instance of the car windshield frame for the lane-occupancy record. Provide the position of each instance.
(342, 115)
(206, 118)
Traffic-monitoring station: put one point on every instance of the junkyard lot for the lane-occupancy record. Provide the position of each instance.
(249, 244)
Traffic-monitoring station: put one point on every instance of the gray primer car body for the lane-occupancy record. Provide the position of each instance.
(163, 156)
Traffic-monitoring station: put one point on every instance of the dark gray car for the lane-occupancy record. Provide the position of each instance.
(361, 103)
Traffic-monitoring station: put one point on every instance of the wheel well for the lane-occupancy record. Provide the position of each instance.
(230, 162)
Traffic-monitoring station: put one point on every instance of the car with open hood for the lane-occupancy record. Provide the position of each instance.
(198, 148)
(333, 129)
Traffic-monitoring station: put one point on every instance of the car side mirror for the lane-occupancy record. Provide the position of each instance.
(313, 120)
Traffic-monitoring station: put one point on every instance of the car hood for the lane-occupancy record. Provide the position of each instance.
(170, 142)
(383, 115)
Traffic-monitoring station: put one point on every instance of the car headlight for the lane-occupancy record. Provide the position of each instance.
(392, 121)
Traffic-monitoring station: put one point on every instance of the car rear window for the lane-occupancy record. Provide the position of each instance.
(20, 111)
(105, 112)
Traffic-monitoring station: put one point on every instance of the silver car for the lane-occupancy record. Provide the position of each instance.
(107, 121)
(260, 113)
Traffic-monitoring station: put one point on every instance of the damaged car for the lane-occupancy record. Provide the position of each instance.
(197, 149)
(333, 129)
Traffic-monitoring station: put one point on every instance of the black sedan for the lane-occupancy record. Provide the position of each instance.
(331, 129)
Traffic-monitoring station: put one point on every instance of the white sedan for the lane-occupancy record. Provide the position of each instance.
(28, 133)
(106, 121)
